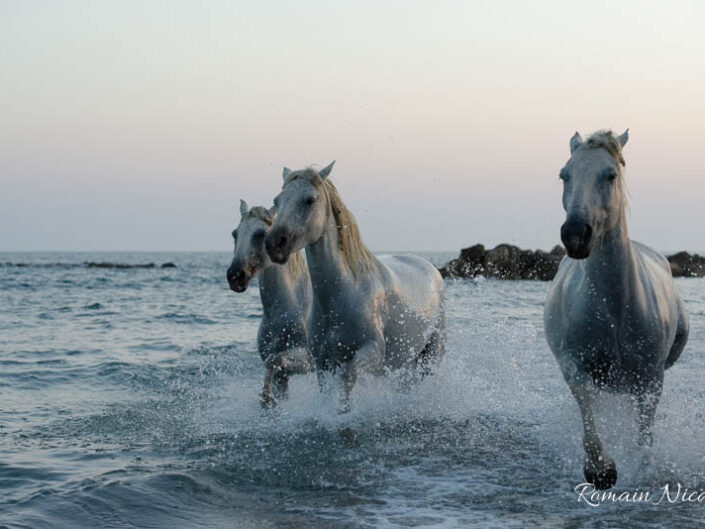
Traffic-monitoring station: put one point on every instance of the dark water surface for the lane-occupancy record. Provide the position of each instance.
(129, 398)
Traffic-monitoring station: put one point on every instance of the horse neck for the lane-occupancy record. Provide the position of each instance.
(610, 266)
(327, 267)
(277, 289)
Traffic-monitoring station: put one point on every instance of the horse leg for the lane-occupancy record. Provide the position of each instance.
(599, 468)
(682, 332)
(432, 353)
(296, 361)
(266, 398)
(281, 385)
(647, 400)
(369, 357)
(276, 379)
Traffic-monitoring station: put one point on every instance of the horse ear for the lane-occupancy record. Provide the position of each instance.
(323, 173)
(575, 142)
(243, 207)
(623, 138)
(286, 172)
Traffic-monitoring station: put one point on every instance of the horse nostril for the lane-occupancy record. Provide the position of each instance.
(277, 244)
(587, 232)
(238, 276)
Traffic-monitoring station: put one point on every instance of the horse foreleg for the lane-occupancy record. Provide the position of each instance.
(647, 402)
(296, 361)
(276, 380)
(599, 468)
(266, 397)
(281, 385)
(369, 357)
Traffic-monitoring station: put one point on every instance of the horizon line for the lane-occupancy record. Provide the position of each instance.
(489, 247)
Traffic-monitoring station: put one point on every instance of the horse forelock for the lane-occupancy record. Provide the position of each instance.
(261, 213)
(606, 139)
(355, 254)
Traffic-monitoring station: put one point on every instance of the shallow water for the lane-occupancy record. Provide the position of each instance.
(130, 399)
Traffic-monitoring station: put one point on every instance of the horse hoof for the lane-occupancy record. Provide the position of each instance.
(347, 436)
(646, 440)
(602, 479)
(267, 402)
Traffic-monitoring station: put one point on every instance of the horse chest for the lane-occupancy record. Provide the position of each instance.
(337, 330)
(281, 333)
(613, 342)
(341, 332)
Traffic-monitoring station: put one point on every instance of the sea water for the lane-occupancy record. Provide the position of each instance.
(129, 398)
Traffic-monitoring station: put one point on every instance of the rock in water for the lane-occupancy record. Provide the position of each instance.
(684, 264)
(506, 261)
(119, 266)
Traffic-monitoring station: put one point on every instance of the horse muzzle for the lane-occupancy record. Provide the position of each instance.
(576, 236)
(238, 279)
(278, 244)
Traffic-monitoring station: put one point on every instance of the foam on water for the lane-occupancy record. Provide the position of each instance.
(137, 403)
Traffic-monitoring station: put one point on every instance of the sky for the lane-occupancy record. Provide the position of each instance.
(139, 125)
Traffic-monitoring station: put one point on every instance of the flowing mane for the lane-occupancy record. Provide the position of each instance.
(296, 265)
(356, 255)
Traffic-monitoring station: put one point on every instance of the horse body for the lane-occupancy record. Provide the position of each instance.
(623, 328)
(285, 292)
(367, 314)
(613, 317)
(393, 311)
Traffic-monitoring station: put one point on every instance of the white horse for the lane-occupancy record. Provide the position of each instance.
(285, 292)
(368, 314)
(613, 316)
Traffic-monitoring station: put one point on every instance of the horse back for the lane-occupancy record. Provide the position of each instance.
(651, 257)
(415, 280)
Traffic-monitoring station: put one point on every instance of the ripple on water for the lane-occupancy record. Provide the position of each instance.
(185, 318)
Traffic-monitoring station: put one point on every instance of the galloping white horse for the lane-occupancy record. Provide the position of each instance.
(367, 313)
(613, 317)
(285, 292)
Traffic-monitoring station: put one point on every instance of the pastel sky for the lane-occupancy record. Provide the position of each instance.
(138, 125)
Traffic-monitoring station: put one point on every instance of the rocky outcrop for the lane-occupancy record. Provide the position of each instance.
(511, 262)
(504, 261)
(684, 264)
(119, 266)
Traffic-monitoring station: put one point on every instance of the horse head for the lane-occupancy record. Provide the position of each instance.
(593, 190)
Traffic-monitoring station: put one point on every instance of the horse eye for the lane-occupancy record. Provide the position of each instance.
(310, 201)
(611, 176)
(258, 235)
(234, 234)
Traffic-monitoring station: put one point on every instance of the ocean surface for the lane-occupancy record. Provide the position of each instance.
(129, 398)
